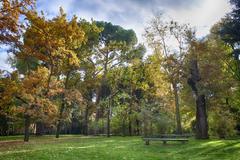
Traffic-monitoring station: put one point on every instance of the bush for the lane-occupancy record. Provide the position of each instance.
(222, 124)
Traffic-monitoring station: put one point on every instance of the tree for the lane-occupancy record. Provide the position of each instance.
(159, 34)
(228, 30)
(10, 11)
(54, 44)
(114, 49)
(35, 104)
(229, 27)
(210, 79)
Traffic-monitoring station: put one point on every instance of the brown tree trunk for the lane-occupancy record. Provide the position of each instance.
(123, 128)
(201, 118)
(109, 117)
(108, 123)
(62, 106)
(130, 127)
(58, 129)
(137, 127)
(59, 123)
(96, 130)
(26, 128)
(85, 125)
(201, 110)
(130, 121)
(39, 128)
(177, 110)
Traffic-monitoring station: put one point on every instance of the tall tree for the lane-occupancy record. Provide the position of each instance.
(54, 43)
(115, 44)
(159, 34)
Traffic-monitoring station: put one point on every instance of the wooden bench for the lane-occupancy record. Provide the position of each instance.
(170, 136)
(164, 140)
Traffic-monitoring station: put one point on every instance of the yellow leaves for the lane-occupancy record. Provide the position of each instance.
(34, 92)
(9, 87)
(73, 96)
(10, 12)
(65, 58)
(36, 80)
(54, 41)
(73, 59)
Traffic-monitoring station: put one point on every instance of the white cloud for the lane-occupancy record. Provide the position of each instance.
(4, 64)
(136, 13)
(203, 15)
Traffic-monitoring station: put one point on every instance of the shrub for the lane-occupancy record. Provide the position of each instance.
(222, 124)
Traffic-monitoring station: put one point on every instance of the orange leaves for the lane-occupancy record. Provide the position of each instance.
(8, 86)
(10, 10)
(54, 41)
(36, 81)
(73, 96)
(38, 103)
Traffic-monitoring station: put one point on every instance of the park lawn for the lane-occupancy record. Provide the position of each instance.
(115, 148)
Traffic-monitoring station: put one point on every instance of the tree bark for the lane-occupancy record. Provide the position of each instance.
(138, 127)
(130, 127)
(129, 120)
(108, 121)
(58, 129)
(62, 106)
(201, 111)
(39, 128)
(59, 123)
(177, 110)
(26, 128)
(123, 128)
(85, 125)
(201, 118)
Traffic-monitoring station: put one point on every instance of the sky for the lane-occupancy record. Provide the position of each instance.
(135, 14)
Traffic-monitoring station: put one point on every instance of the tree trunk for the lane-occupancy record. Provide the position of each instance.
(108, 122)
(177, 108)
(39, 128)
(123, 128)
(58, 129)
(201, 111)
(85, 124)
(3, 125)
(130, 121)
(96, 129)
(130, 127)
(201, 118)
(62, 106)
(59, 123)
(26, 128)
(138, 127)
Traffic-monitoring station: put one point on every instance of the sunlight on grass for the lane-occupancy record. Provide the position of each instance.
(109, 141)
(119, 148)
(213, 143)
(80, 147)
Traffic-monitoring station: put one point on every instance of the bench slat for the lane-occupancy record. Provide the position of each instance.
(164, 140)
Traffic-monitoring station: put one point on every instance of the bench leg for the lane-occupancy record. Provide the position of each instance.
(164, 142)
(147, 142)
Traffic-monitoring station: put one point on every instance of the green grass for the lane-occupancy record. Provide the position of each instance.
(116, 148)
